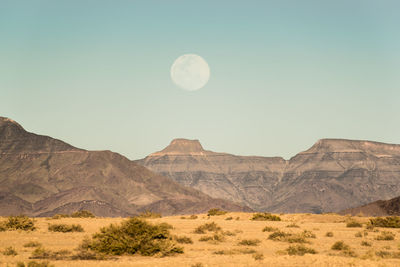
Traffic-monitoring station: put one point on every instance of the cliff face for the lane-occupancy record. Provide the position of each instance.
(332, 175)
(40, 175)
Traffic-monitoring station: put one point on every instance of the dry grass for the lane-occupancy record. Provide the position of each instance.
(363, 251)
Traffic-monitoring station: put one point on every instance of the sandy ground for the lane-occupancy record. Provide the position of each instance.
(203, 252)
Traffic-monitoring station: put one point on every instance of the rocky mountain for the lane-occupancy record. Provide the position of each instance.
(389, 207)
(41, 176)
(332, 175)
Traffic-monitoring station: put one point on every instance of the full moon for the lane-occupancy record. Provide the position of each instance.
(190, 72)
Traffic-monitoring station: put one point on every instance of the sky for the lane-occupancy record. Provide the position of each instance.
(284, 74)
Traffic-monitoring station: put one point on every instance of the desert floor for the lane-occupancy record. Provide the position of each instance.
(380, 253)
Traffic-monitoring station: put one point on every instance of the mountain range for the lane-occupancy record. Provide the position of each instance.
(333, 175)
(42, 176)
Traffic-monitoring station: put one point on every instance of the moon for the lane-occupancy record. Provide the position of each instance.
(190, 72)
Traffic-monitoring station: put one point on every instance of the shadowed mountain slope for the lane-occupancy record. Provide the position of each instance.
(334, 174)
(389, 207)
(41, 176)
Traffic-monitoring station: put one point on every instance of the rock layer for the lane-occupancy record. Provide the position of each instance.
(334, 174)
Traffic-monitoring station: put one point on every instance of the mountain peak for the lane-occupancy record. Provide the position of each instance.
(181, 146)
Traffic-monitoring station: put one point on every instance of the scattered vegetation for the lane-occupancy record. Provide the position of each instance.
(300, 250)
(183, 240)
(385, 235)
(269, 229)
(35, 264)
(210, 227)
(32, 244)
(193, 217)
(366, 243)
(235, 251)
(134, 236)
(20, 222)
(10, 251)
(215, 238)
(291, 238)
(292, 225)
(249, 242)
(228, 218)
(258, 256)
(387, 222)
(353, 223)
(65, 228)
(329, 234)
(216, 212)
(358, 234)
(149, 215)
(59, 216)
(198, 264)
(340, 245)
(82, 214)
(265, 217)
(43, 253)
(387, 254)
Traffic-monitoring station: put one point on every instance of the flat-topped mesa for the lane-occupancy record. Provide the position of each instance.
(345, 145)
(182, 146)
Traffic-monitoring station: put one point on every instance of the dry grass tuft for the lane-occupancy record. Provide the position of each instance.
(210, 227)
(216, 212)
(300, 250)
(32, 244)
(10, 251)
(385, 235)
(65, 228)
(249, 242)
(265, 217)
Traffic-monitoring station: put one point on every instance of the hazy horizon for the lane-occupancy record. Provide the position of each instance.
(96, 74)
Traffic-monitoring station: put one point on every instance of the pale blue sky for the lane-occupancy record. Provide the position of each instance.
(283, 73)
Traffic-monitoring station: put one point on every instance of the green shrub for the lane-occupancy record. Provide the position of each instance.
(184, 240)
(65, 228)
(270, 229)
(249, 242)
(82, 214)
(340, 245)
(366, 244)
(300, 250)
(329, 234)
(387, 222)
(353, 223)
(385, 235)
(10, 251)
(20, 222)
(149, 215)
(216, 212)
(134, 236)
(32, 244)
(265, 217)
(210, 227)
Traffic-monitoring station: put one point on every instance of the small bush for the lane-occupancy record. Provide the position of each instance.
(42, 253)
(249, 242)
(270, 229)
(184, 240)
(300, 250)
(59, 216)
(358, 234)
(329, 234)
(228, 233)
(35, 264)
(149, 215)
(134, 236)
(3, 227)
(216, 212)
(366, 244)
(65, 228)
(235, 251)
(258, 256)
(387, 254)
(228, 219)
(385, 235)
(265, 217)
(292, 225)
(10, 251)
(279, 236)
(213, 238)
(387, 222)
(82, 214)
(340, 245)
(291, 238)
(21, 222)
(193, 217)
(210, 227)
(353, 223)
(32, 244)
(308, 234)
(198, 264)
